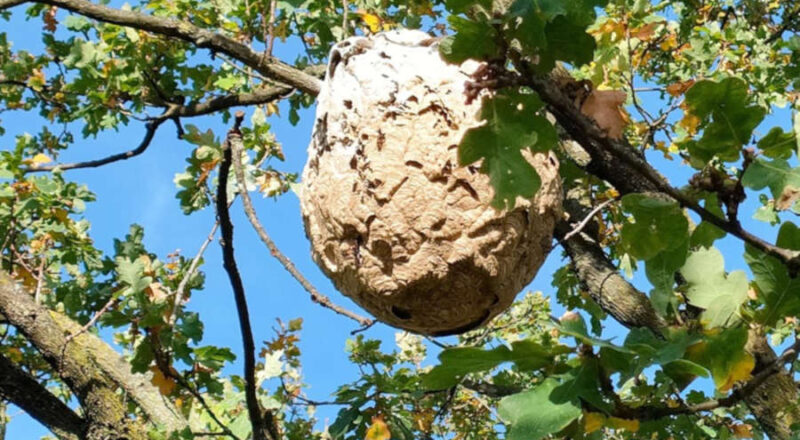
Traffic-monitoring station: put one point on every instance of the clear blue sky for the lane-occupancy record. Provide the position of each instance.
(141, 191)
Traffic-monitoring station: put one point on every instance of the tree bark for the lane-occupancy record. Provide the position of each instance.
(21, 389)
(105, 412)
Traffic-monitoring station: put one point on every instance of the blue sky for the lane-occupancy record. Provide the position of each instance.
(141, 190)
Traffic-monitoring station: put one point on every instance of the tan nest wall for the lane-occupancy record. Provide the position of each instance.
(393, 219)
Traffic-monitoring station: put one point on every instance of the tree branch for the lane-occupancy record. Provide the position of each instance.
(21, 389)
(618, 163)
(103, 408)
(316, 296)
(229, 262)
(89, 366)
(151, 126)
(202, 38)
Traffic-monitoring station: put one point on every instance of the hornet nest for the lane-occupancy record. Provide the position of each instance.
(393, 219)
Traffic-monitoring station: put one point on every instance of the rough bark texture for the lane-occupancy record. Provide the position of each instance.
(105, 413)
(393, 219)
(138, 387)
(775, 403)
(19, 388)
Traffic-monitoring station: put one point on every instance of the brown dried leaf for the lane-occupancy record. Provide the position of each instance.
(788, 197)
(605, 107)
(679, 88)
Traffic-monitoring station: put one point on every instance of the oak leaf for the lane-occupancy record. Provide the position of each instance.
(605, 107)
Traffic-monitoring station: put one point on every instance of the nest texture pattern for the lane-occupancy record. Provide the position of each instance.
(393, 219)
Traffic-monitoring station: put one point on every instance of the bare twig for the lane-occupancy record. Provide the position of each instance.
(111, 303)
(181, 291)
(229, 262)
(271, 28)
(316, 296)
(186, 385)
(587, 219)
(37, 295)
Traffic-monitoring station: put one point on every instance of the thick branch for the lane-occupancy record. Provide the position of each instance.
(267, 66)
(618, 163)
(92, 369)
(21, 389)
(607, 287)
(229, 261)
(138, 387)
(103, 408)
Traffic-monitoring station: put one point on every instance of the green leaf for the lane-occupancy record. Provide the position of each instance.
(77, 23)
(711, 289)
(575, 326)
(534, 414)
(777, 144)
(660, 270)
(528, 22)
(472, 40)
(732, 120)
(705, 234)
(131, 273)
(569, 42)
(724, 355)
(776, 289)
(552, 30)
(659, 225)
(510, 125)
(582, 382)
(777, 174)
(464, 6)
(457, 362)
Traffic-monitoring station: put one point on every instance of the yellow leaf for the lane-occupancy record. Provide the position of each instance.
(14, 353)
(40, 158)
(628, 425)
(689, 123)
(378, 430)
(272, 109)
(373, 22)
(740, 371)
(592, 422)
(165, 384)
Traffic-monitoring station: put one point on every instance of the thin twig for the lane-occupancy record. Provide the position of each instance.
(316, 296)
(790, 21)
(197, 395)
(181, 291)
(39, 281)
(111, 303)
(271, 28)
(587, 219)
(229, 262)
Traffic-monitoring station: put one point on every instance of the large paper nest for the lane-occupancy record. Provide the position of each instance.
(393, 219)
